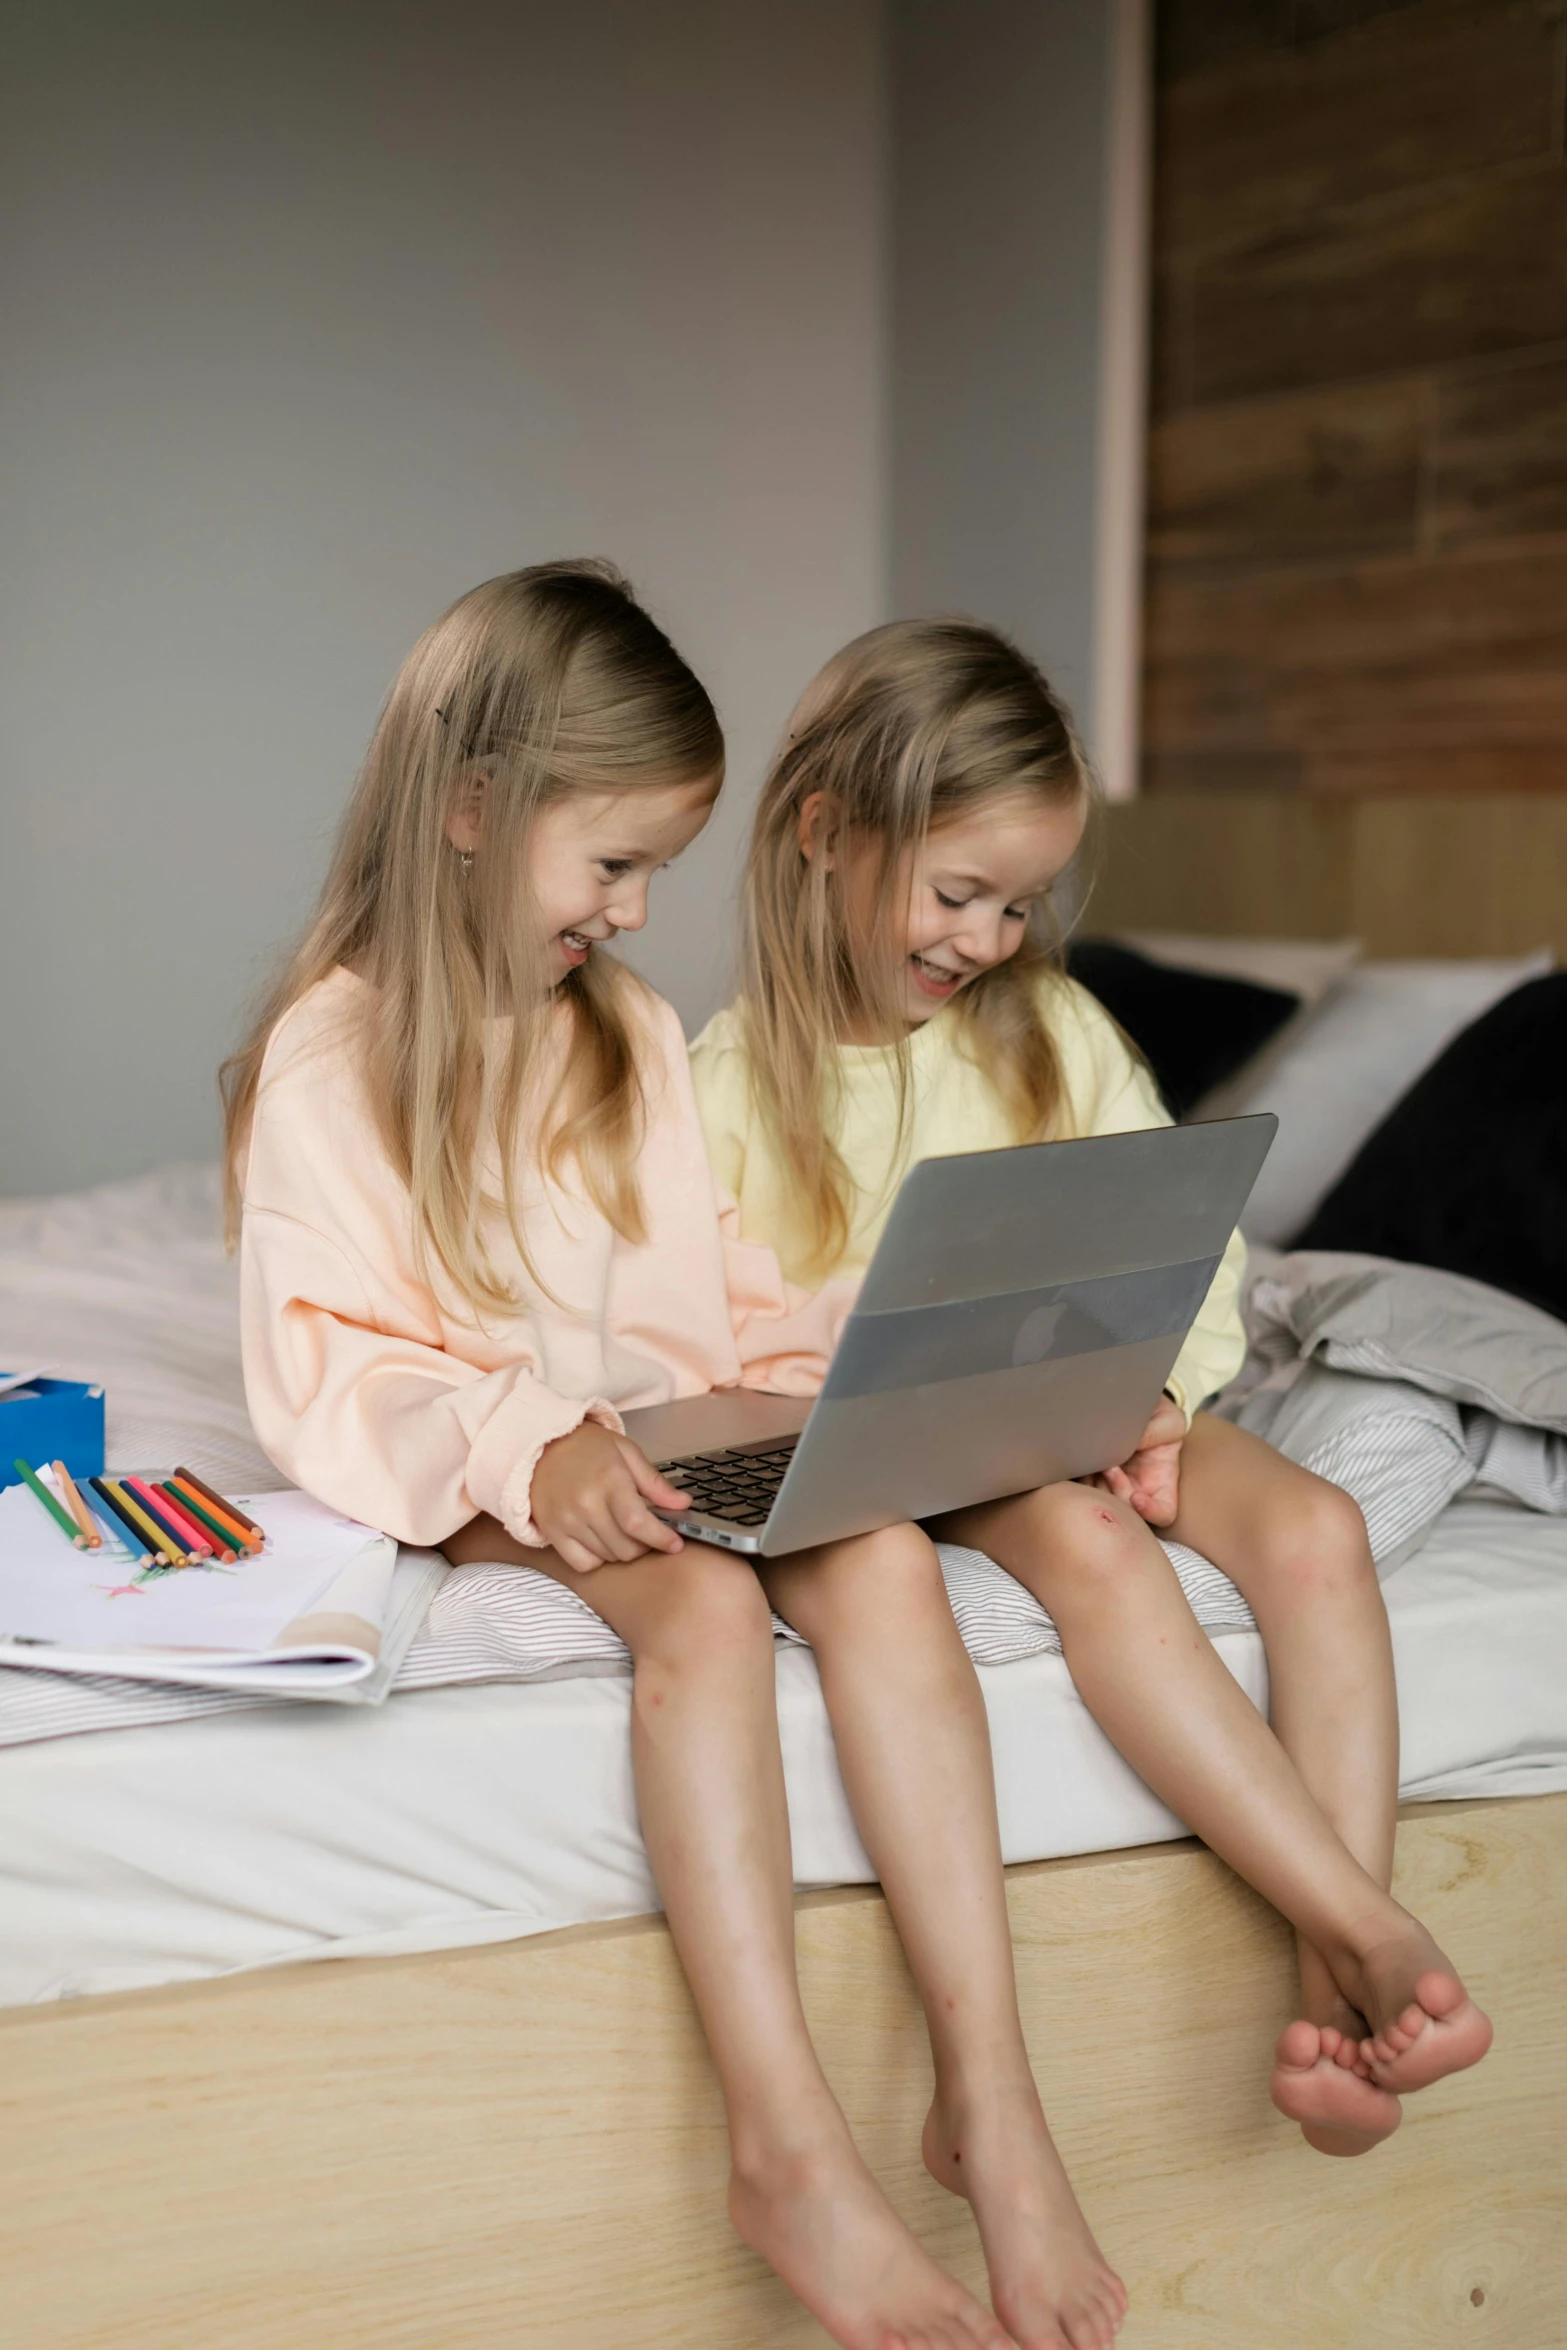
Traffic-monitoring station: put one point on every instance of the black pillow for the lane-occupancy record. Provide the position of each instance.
(1468, 1172)
(1193, 1028)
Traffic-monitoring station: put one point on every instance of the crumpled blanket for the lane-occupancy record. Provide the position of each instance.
(1407, 1387)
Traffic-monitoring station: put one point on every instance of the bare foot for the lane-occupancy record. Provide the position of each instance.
(1051, 2284)
(822, 2222)
(1424, 2024)
(1321, 2080)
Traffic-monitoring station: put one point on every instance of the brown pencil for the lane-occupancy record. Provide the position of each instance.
(237, 1517)
(77, 1507)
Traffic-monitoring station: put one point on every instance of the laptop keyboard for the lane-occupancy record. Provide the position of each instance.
(738, 1485)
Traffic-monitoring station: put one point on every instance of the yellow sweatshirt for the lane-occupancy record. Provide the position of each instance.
(953, 1107)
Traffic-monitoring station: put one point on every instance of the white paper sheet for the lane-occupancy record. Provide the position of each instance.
(89, 1600)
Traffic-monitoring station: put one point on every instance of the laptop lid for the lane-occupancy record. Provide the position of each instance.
(1020, 1316)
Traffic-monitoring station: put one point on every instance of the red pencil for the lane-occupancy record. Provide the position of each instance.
(182, 1510)
(198, 1544)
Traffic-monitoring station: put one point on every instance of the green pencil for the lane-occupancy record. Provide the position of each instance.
(62, 1518)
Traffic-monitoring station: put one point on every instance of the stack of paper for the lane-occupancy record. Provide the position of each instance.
(304, 1615)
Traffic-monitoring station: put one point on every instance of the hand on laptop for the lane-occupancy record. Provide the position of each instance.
(1151, 1479)
(590, 1498)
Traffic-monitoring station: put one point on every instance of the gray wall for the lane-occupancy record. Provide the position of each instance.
(1000, 125)
(318, 315)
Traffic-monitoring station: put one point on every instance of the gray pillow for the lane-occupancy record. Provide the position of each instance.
(1439, 1331)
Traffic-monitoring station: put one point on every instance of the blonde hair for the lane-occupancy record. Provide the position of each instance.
(543, 682)
(912, 727)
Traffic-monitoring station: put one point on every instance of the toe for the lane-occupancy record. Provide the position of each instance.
(1298, 2046)
(1439, 1993)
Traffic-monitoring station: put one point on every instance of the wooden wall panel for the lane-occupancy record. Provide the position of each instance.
(1483, 874)
(1357, 505)
(1437, 90)
(1329, 472)
(1392, 658)
(1500, 454)
(1443, 274)
(1195, 34)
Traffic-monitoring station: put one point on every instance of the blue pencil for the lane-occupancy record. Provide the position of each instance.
(113, 1527)
(126, 1528)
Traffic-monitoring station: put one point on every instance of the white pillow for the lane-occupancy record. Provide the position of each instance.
(1362, 1050)
(1306, 967)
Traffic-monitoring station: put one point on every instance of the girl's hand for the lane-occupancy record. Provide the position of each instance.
(1151, 1479)
(590, 1496)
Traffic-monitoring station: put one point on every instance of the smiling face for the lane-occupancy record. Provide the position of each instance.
(971, 888)
(593, 855)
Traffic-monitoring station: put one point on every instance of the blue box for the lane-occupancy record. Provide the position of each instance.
(52, 1420)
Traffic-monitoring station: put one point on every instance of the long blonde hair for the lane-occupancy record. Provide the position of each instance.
(543, 682)
(910, 728)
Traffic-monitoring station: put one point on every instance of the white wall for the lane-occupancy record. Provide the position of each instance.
(1018, 143)
(318, 315)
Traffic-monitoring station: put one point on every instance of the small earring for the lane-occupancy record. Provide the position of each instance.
(465, 859)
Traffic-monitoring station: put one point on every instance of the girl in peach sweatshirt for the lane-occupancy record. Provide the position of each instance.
(477, 1222)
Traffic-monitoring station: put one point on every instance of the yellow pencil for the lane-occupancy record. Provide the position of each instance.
(75, 1504)
(160, 1544)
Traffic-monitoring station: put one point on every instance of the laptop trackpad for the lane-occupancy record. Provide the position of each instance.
(708, 1423)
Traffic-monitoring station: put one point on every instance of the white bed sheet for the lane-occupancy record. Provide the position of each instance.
(480, 1814)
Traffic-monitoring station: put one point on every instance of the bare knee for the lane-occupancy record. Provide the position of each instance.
(708, 1612)
(891, 1577)
(1312, 1539)
(1076, 1544)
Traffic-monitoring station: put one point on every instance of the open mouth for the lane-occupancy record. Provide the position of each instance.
(934, 979)
(576, 945)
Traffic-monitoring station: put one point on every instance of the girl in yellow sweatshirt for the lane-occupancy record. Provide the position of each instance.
(899, 1001)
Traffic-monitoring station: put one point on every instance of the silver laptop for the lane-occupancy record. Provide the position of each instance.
(1019, 1319)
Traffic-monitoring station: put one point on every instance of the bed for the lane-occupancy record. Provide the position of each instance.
(489, 2117)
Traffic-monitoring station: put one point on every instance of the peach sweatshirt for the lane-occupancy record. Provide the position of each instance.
(369, 1380)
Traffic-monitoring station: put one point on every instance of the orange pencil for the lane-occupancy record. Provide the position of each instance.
(186, 1512)
(75, 1504)
(217, 1514)
(255, 1535)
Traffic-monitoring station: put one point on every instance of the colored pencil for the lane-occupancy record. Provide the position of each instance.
(62, 1517)
(157, 1537)
(229, 1527)
(137, 1490)
(123, 1523)
(189, 1477)
(118, 1529)
(190, 1538)
(186, 1513)
(229, 1541)
(75, 1504)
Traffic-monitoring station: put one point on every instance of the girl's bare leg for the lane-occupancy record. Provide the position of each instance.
(1152, 1680)
(914, 1747)
(1296, 1547)
(710, 1793)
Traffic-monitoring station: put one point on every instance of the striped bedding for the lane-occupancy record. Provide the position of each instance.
(128, 1285)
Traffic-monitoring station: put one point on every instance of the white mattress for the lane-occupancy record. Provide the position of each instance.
(479, 1814)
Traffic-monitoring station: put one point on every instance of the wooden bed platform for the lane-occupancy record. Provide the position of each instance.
(522, 2146)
